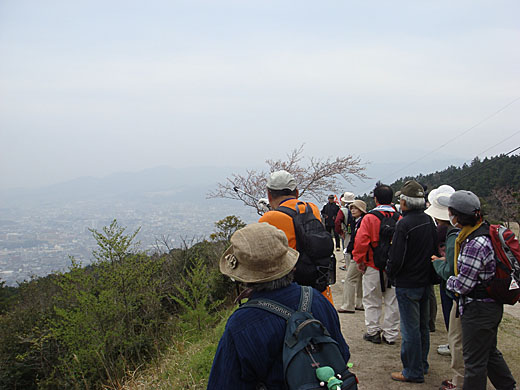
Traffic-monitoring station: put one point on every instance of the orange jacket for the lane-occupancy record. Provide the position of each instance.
(366, 236)
(284, 222)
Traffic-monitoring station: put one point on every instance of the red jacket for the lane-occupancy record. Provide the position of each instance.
(367, 235)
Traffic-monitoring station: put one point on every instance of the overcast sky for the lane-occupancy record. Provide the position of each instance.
(95, 87)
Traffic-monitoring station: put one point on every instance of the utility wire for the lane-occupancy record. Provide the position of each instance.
(459, 135)
(482, 166)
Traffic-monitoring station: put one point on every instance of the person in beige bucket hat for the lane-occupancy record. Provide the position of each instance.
(250, 350)
(258, 253)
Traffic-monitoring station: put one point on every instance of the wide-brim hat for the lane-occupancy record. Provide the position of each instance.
(437, 210)
(258, 253)
(348, 197)
(359, 204)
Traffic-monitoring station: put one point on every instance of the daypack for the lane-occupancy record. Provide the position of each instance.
(504, 287)
(316, 264)
(309, 351)
(386, 232)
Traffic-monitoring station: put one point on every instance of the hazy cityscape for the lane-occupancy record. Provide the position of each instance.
(36, 241)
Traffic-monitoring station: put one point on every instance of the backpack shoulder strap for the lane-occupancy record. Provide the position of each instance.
(305, 299)
(270, 306)
(483, 230)
(378, 214)
(287, 210)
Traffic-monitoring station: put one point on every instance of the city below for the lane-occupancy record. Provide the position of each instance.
(40, 240)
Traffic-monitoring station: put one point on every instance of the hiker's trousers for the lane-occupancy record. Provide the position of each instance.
(373, 300)
(482, 359)
(455, 342)
(353, 288)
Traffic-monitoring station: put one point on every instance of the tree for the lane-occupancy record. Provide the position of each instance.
(508, 205)
(226, 227)
(316, 178)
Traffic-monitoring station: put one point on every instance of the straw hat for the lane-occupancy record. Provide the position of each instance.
(436, 209)
(258, 253)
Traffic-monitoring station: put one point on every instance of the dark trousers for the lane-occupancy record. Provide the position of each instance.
(332, 232)
(482, 359)
(446, 304)
(414, 310)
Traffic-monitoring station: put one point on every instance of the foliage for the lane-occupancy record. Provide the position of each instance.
(313, 179)
(89, 327)
(492, 179)
(195, 298)
(226, 227)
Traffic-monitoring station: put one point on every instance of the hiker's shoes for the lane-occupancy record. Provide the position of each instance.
(398, 376)
(345, 311)
(444, 350)
(343, 268)
(376, 338)
(447, 385)
(386, 341)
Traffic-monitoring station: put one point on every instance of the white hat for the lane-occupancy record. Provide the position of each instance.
(437, 210)
(281, 180)
(348, 197)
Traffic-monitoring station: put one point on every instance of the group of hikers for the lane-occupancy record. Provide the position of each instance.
(394, 254)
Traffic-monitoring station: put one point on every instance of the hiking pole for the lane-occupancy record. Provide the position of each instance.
(262, 205)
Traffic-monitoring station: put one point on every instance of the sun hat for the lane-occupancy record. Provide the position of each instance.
(281, 180)
(359, 204)
(412, 189)
(348, 197)
(465, 202)
(437, 210)
(258, 253)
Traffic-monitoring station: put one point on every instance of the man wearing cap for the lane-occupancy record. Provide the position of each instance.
(329, 212)
(409, 268)
(345, 223)
(367, 238)
(249, 353)
(282, 191)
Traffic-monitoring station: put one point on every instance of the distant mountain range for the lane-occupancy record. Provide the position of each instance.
(168, 184)
(156, 184)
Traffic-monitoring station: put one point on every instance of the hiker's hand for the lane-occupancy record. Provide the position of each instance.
(361, 267)
(438, 258)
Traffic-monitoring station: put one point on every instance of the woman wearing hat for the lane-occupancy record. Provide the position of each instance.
(480, 314)
(444, 266)
(353, 288)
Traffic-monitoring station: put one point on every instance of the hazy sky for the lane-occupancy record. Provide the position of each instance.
(94, 87)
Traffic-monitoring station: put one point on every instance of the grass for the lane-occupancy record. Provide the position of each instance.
(186, 365)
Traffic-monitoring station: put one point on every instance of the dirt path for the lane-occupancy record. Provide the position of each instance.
(373, 363)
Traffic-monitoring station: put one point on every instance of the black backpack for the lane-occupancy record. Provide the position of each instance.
(386, 232)
(308, 348)
(316, 264)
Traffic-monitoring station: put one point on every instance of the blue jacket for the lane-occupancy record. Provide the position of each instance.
(250, 350)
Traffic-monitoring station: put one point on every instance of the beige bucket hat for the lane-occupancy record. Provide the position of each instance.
(359, 204)
(258, 253)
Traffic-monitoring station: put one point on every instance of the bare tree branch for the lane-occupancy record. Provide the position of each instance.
(315, 179)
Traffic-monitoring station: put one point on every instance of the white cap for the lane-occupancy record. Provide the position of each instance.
(281, 180)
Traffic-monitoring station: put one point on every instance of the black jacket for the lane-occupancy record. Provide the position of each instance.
(413, 244)
(329, 212)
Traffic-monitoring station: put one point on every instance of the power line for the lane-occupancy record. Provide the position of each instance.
(483, 165)
(458, 136)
